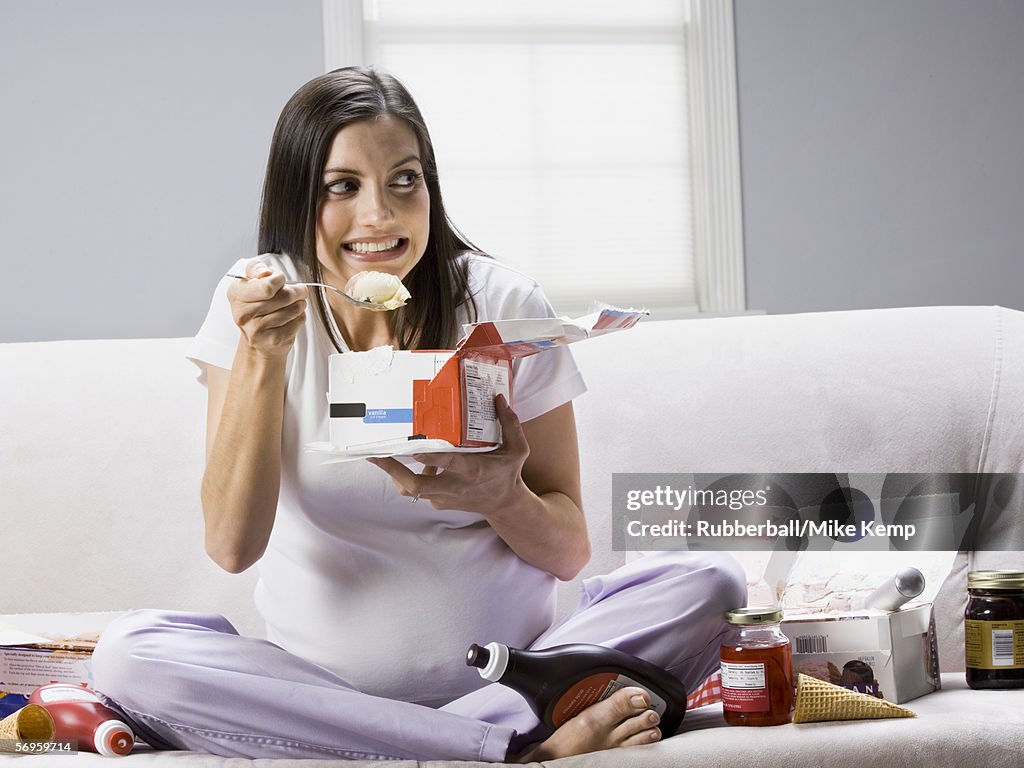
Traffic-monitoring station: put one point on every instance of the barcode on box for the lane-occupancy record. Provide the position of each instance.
(1002, 647)
(811, 644)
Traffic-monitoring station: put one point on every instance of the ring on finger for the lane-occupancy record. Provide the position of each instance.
(415, 498)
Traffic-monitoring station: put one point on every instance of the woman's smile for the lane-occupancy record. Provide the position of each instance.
(375, 250)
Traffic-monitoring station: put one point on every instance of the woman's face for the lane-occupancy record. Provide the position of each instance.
(374, 209)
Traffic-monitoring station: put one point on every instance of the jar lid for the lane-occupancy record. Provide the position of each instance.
(760, 615)
(995, 580)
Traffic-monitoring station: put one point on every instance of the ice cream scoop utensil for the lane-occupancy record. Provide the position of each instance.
(370, 305)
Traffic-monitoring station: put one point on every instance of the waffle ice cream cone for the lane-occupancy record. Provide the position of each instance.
(817, 700)
(30, 723)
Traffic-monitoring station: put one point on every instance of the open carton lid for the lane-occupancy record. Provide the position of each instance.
(511, 339)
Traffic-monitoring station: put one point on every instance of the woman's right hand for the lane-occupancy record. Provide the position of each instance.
(268, 312)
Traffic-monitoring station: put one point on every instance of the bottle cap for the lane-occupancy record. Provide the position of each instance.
(113, 738)
(761, 615)
(477, 656)
(490, 660)
(995, 580)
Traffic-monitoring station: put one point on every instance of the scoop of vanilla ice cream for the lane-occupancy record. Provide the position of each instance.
(379, 288)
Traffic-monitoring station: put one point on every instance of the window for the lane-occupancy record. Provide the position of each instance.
(562, 132)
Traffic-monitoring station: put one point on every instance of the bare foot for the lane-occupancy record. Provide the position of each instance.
(622, 720)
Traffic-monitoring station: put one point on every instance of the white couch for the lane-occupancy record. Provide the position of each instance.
(101, 446)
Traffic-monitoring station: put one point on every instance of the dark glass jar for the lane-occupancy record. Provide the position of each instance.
(994, 629)
(757, 669)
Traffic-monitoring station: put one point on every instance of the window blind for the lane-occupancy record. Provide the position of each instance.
(561, 136)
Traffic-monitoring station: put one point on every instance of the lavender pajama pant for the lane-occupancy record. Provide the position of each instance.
(189, 681)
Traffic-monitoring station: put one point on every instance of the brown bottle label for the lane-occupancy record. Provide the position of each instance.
(594, 688)
(994, 644)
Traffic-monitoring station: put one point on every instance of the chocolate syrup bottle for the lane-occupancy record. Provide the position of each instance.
(562, 681)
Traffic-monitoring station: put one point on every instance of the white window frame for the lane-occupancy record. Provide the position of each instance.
(717, 213)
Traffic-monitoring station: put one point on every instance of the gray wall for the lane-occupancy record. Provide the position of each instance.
(880, 142)
(882, 150)
(133, 137)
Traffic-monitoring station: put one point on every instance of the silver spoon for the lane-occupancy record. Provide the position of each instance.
(370, 305)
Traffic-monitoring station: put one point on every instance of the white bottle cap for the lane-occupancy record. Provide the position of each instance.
(113, 738)
(496, 663)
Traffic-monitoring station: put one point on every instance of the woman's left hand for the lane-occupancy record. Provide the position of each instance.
(471, 482)
(527, 489)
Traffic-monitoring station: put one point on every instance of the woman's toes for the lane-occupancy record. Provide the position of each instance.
(620, 707)
(644, 737)
(637, 725)
(631, 701)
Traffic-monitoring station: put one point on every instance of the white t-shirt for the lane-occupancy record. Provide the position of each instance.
(389, 594)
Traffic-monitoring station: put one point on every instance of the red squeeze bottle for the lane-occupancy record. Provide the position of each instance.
(79, 715)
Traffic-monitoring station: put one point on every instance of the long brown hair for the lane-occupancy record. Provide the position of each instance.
(291, 195)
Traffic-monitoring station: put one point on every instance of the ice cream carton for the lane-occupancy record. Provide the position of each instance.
(891, 655)
(41, 648)
(388, 402)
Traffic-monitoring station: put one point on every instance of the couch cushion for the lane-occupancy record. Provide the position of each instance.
(930, 389)
(101, 455)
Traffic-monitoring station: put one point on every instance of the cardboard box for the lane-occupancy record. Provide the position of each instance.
(41, 648)
(892, 655)
(383, 400)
